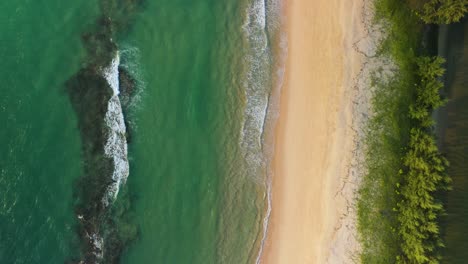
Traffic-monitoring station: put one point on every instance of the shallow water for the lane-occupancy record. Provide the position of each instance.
(197, 165)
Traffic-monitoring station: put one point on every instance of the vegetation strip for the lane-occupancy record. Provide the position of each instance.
(398, 209)
(423, 173)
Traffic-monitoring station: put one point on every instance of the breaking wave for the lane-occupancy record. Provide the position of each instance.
(116, 145)
(256, 87)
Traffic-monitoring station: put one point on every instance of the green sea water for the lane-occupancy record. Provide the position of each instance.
(197, 190)
(40, 148)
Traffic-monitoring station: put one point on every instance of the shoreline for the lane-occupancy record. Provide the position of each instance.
(314, 137)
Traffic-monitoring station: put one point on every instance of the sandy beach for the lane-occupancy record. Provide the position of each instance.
(311, 219)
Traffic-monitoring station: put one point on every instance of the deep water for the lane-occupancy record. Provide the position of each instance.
(40, 157)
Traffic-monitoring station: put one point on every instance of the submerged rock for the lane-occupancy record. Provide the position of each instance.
(127, 86)
(100, 108)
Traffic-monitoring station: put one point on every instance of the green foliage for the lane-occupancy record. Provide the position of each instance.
(388, 135)
(443, 11)
(427, 90)
(400, 147)
(423, 174)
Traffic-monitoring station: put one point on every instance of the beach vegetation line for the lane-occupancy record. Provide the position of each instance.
(398, 210)
(423, 173)
(387, 135)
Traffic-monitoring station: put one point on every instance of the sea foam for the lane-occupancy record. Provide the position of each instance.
(263, 81)
(256, 87)
(116, 145)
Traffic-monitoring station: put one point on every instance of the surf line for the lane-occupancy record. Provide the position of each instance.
(269, 49)
(257, 87)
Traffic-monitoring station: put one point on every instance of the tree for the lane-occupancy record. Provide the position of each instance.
(424, 173)
(443, 11)
(427, 90)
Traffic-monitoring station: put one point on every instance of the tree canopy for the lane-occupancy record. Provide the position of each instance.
(424, 173)
(443, 11)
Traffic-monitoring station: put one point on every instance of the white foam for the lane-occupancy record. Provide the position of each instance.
(116, 145)
(111, 73)
(98, 243)
(256, 87)
(256, 16)
(263, 81)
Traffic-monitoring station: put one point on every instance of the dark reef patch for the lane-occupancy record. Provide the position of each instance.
(99, 45)
(127, 87)
(104, 229)
(89, 94)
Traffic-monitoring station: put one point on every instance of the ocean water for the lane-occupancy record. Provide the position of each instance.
(135, 131)
(40, 147)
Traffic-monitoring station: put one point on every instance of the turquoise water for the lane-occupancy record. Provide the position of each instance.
(193, 80)
(199, 188)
